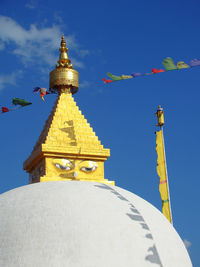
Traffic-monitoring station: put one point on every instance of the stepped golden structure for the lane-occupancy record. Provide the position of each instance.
(68, 148)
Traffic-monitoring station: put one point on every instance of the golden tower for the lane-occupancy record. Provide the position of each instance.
(67, 148)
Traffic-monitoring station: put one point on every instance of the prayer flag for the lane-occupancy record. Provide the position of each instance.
(114, 77)
(162, 173)
(4, 109)
(195, 62)
(106, 81)
(168, 64)
(36, 89)
(43, 92)
(21, 102)
(157, 71)
(182, 65)
(126, 77)
(136, 74)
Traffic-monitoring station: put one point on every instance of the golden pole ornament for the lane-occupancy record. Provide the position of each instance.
(64, 76)
(160, 116)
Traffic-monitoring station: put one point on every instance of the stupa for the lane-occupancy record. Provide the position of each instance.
(70, 215)
(68, 148)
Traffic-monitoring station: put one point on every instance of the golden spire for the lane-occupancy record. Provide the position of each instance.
(64, 76)
(64, 61)
(67, 148)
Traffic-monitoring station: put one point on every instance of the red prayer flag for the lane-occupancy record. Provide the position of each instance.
(157, 71)
(106, 81)
(4, 109)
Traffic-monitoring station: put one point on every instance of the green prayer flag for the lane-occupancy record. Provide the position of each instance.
(21, 102)
(168, 64)
(114, 77)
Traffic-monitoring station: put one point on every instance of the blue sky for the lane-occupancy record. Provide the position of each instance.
(121, 37)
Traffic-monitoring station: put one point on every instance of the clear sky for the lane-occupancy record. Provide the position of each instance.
(120, 37)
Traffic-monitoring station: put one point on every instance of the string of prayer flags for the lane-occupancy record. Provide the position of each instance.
(168, 64)
(20, 103)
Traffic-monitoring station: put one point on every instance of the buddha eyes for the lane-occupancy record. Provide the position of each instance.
(85, 166)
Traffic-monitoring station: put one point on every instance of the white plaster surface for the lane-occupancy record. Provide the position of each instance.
(80, 224)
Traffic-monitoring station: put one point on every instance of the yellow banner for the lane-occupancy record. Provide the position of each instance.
(162, 173)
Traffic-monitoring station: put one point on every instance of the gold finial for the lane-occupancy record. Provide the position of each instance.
(160, 116)
(64, 77)
(64, 61)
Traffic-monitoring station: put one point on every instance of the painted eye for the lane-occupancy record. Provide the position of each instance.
(88, 166)
(66, 168)
(88, 169)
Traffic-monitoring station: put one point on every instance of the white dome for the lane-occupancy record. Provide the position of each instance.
(80, 224)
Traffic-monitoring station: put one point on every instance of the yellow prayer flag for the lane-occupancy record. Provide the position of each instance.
(162, 173)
